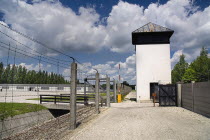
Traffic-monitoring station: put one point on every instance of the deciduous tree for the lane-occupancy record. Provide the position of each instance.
(179, 70)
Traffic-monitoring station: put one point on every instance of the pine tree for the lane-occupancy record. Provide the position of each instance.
(1, 72)
(33, 77)
(20, 75)
(5, 76)
(12, 75)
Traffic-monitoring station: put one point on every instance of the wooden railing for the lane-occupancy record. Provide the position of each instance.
(65, 98)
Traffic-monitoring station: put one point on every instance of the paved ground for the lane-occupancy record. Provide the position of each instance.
(134, 121)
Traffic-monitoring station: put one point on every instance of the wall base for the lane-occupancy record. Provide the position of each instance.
(145, 101)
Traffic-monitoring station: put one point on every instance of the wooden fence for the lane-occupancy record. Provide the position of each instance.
(196, 97)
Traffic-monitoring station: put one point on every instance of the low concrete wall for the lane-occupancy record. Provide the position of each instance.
(196, 97)
(54, 128)
(21, 122)
(42, 87)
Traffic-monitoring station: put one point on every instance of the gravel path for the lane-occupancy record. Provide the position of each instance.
(134, 121)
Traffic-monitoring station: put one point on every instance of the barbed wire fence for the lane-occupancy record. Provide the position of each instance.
(28, 90)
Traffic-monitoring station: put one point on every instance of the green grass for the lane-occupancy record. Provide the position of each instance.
(103, 94)
(33, 99)
(13, 109)
(123, 96)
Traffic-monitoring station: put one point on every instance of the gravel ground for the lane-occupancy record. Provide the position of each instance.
(134, 121)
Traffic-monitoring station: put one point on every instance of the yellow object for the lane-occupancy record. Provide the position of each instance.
(119, 98)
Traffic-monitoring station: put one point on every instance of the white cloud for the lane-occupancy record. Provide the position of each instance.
(123, 19)
(58, 26)
(175, 57)
(63, 29)
(127, 70)
(191, 26)
(36, 67)
(189, 57)
(111, 62)
(66, 74)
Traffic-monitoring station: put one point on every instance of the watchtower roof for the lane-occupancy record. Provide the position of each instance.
(151, 34)
(151, 27)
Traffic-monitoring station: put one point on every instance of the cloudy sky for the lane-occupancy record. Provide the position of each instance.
(98, 32)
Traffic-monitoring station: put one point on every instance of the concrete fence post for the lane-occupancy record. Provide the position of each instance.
(179, 95)
(107, 91)
(193, 96)
(97, 93)
(73, 97)
(115, 91)
(118, 87)
(85, 95)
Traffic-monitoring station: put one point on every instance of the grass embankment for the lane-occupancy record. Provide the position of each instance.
(123, 96)
(13, 109)
(104, 94)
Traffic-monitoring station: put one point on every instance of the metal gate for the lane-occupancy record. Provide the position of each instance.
(168, 95)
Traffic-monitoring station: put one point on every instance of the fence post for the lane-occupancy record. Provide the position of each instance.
(192, 86)
(107, 91)
(179, 94)
(97, 93)
(85, 95)
(115, 91)
(73, 96)
(40, 99)
(118, 87)
(55, 99)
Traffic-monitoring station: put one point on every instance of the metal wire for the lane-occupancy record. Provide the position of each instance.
(58, 65)
(5, 98)
(36, 41)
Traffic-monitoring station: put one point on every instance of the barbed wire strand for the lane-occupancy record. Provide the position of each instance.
(31, 53)
(36, 41)
(31, 56)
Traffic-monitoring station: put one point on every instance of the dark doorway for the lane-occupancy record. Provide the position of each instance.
(154, 89)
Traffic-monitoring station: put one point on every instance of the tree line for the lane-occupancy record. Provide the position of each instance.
(198, 70)
(13, 74)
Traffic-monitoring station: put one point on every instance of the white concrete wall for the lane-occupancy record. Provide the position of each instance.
(80, 89)
(152, 65)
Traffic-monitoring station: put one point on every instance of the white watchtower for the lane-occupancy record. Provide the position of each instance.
(153, 66)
